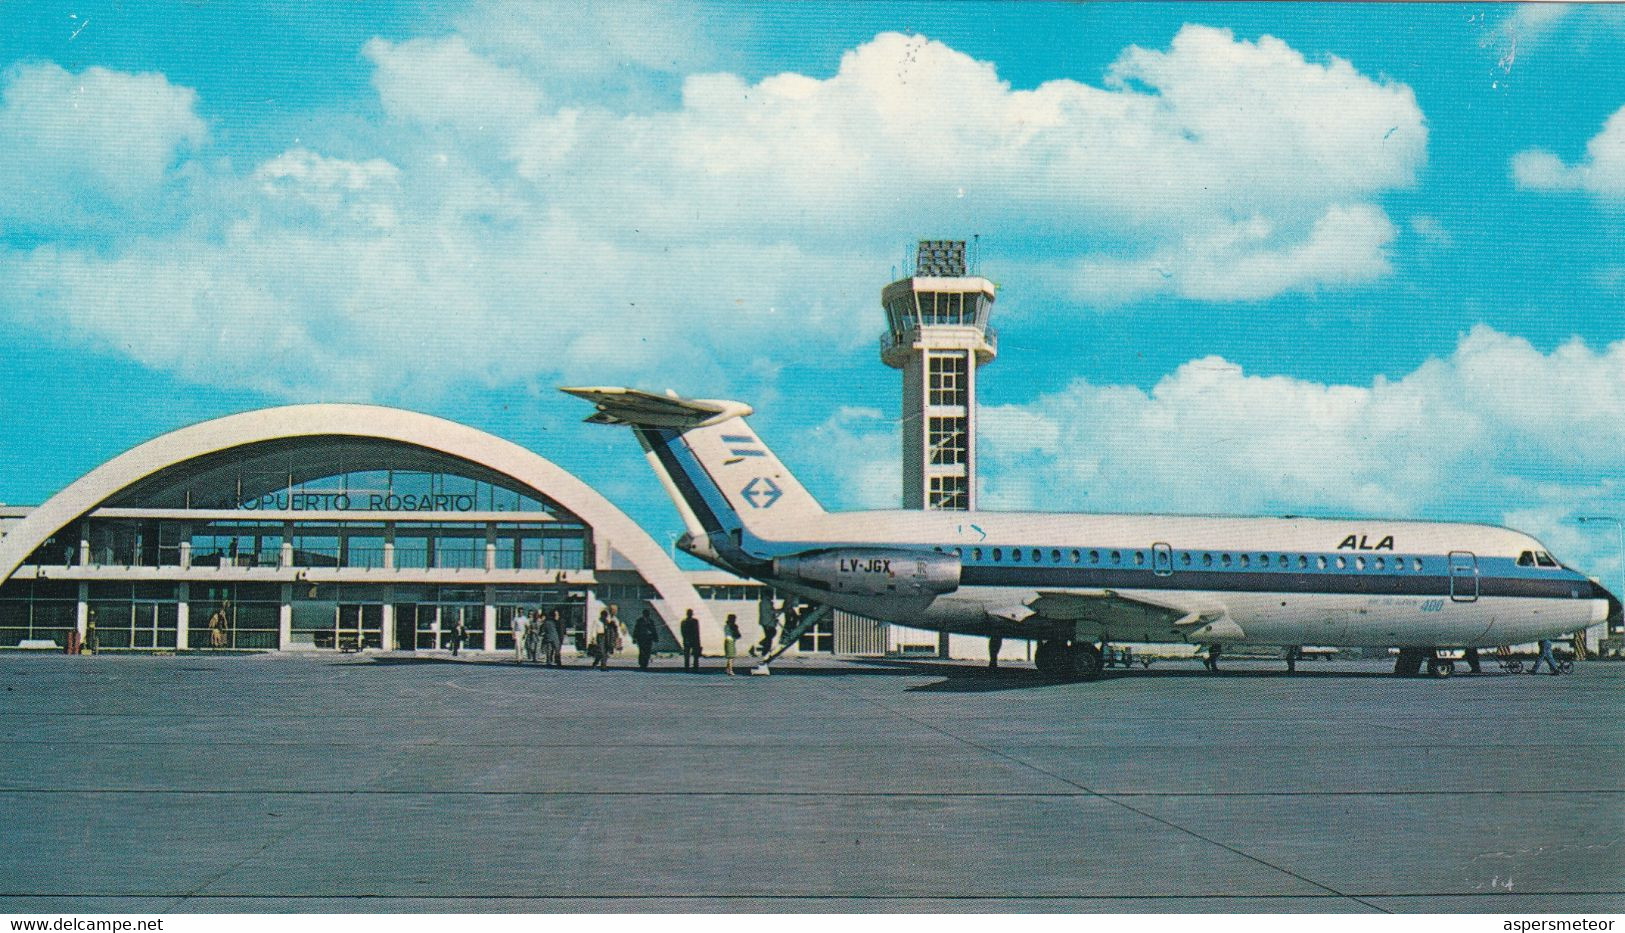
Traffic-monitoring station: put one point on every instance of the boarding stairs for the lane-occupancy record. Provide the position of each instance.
(789, 637)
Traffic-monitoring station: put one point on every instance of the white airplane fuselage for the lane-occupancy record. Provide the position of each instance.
(1078, 578)
(1276, 581)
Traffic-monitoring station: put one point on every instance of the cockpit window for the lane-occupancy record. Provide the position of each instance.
(1544, 559)
(1526, 559)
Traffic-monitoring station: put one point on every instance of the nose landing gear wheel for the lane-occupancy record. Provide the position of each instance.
(1440, 667)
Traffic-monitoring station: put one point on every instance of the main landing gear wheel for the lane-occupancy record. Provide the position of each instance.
(1441, 667)
(1048, 658)
(1087, 662)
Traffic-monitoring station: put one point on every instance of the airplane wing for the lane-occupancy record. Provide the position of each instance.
(1127, 618)
(618, 405)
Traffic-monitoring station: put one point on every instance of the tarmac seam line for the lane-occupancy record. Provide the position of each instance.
(1109, 799)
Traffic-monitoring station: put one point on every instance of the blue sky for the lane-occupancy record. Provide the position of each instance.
(1322, 259)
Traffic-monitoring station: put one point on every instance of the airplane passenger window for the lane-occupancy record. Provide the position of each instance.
(1544, 559)
(998, 554)
(1321, 562)
(1207, 559)
(1015, 554)
(1303, 562)
(1526, 559)
(1094, 557)
(1055, 557)
(1037, 555)
(1117, 557)
(1417, 564)
(1381, 563)
(1246, 561)
(1263, 560)
(1359, 563)
(1224, 559)
(1342, 562)
(975, 553)
(1076, 555)
(1185, 558)
(1139, 558)
(1283, 562)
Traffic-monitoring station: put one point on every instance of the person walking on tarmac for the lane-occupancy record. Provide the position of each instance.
(1545, 655)
(644, 635)
(609, 638)
(690, 631)
(553, 639)
(768, 619)
(459, 632)
(518, 624)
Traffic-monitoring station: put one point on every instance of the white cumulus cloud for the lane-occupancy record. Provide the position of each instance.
(98, 147)
(1210, 437)
(502, 229)
(1601, 173)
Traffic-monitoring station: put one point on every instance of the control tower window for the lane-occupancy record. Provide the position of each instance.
(947, 441)
(948, 492)
(948, 380)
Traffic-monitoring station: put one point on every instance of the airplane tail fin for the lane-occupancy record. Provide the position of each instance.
(729, 486)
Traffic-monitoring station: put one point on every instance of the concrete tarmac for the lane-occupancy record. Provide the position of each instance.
(400, 783)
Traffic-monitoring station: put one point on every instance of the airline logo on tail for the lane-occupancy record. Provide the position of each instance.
(761, 492)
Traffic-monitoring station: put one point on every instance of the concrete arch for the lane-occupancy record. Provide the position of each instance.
(526, 467)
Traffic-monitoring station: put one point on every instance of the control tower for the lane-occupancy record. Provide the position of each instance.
(937, 334)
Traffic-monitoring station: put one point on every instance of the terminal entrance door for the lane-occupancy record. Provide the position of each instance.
(406, 625)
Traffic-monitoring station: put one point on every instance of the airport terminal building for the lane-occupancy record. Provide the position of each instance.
(328, 527)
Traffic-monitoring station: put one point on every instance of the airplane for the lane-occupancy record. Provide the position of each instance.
(1074, 583)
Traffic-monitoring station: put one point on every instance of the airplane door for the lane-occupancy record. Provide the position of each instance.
(1463, 576)
(1162, 560)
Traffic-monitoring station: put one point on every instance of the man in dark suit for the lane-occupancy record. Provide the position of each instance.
(690, 630)
(553, 639)
(645, 634)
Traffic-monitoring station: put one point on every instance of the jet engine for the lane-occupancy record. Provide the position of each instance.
(885, 573)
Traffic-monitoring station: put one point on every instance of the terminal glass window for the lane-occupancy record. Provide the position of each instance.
(135, 542)
(134, 615)
(334, 475)
(819, 637)
(229, 543)
(316, 544)
(37, 610)
(948, 378)
(337, 616)
(59, 550)
(241, 615)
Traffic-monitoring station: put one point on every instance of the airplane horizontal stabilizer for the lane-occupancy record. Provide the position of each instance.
(617, 405)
